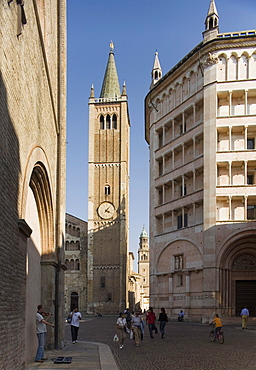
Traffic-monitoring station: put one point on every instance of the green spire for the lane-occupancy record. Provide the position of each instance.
(110, 87)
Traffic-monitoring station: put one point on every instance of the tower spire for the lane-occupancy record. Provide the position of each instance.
(110, 87)
(211, 22)
(156, 73)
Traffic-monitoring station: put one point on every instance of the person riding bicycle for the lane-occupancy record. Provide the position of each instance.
(217, 325)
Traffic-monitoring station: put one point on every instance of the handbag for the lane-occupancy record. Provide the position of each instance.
(69, 319)
(115, 339)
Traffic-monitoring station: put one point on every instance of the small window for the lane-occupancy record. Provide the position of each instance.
(107, 190)
(102, 281)
(251, 212)
(250, 143)
(108, 122)
(77, 265)
(72, 264)
(77, 246)
(179, 280)
(102, 122)
(178, 262)
(114, 121)
(250, 179)
(160, 139)
(67, 264)
(160, 168)
(179, 222)
(160, 197)
(185, 219)
(109, 297)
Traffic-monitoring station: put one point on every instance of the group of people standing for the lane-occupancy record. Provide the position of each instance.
(135, 325)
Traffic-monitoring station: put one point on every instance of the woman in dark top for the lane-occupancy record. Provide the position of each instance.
(163, 319)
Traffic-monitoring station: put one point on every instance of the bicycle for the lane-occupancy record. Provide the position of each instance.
(219, 338)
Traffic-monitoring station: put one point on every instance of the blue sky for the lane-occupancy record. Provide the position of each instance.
(138, 28)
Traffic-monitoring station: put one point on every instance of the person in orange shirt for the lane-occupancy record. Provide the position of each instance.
(217, 324)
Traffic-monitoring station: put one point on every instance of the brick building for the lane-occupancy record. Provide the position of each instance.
(32, 174)
(76, 262)
(201, 128)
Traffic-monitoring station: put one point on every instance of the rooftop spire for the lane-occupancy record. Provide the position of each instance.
(156, 71)
(92, 91)
(124, 89)
(212, 9)
(211, 22)
(110, 87)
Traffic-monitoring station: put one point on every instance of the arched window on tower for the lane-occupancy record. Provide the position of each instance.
(108, 122)
(211, 24)
(102, 122)
(107, 190)
(114, 121)
(156, 75)
(72, 264)
(67, 263)
(77, 265)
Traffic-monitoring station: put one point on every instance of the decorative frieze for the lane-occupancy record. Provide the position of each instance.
(102, 165)
(106, 267)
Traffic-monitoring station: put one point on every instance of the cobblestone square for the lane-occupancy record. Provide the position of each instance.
(185, 346)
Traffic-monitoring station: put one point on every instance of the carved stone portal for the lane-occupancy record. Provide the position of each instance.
(244, 262)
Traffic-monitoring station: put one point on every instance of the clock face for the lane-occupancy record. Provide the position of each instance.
(106, 210)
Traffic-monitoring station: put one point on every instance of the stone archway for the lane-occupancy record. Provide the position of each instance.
(237, 276)
(73, 300)
(244, 283)
(40, 259)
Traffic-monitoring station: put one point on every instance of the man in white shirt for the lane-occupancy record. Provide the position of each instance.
(75, 317)
(41, 330)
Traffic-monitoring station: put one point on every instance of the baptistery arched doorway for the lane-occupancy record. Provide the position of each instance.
(237, 276)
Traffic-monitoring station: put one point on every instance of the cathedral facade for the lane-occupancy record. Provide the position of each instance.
(108, 195)
(32, 168)
(201, 127)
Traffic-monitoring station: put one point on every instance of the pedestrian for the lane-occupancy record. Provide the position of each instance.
(121, 326)
(150, 320)
(128, 318)
(244, 314)
(181, 315)
(163, 319)
(142, 324)
(41, 322)
(75, 322)
(217, 325)
(136, 327)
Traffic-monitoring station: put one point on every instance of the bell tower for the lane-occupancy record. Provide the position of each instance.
(108, 194)
(143, 267)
